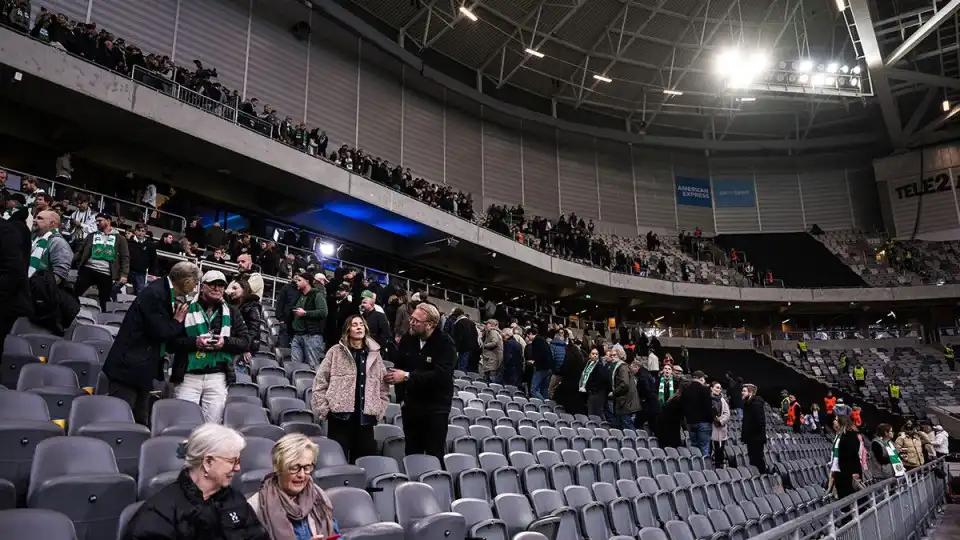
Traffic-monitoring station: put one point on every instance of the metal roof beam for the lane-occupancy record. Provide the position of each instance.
(860, 10)
(921, 33)
(659, 10)
(923, 78)
(920, 112)
(516, 34)
(569, 15)
(449, 26)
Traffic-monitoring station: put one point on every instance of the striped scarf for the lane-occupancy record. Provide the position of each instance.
(661, 388)
(894, 456)
(38, 252)
(835, 462)
(197, 324)
(585, 376)
(9, 212)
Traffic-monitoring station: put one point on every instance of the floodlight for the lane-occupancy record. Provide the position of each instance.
(467, 13)
(805, 66)
(945, 105)
(841, 5)
(728, 62)
(830, 81)
(832, 67)
(804, 79)
(845, 69)
(854, 82)
(855, 70)
(327, 249)
(818, 79)
(747, 99)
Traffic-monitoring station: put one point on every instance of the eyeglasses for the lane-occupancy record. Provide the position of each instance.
(234, 461)
(295, 469)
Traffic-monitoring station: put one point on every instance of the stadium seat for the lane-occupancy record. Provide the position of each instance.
(427, 469)
(83, 333)
(125, 518)
(24, 326)
(174, 417)
(516, 512)
(421, 517)
(357, 516)
(36, 523)
(480, 521)
(256, 462)
(159, 465)
(110, 420)
(57, 385)
(383, 478)
(332, 467)
(17, 352)
(78, 477)
(24, 423)
(79, 357)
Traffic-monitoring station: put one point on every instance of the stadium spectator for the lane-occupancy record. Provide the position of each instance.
(941, 441)
(539, 355)
(424, 380)
(568, 392)
(698, 411)
(287, 266)
(201, 498)
(721, 417)
(103, 260)
(624, 401)
(558, 345)
(80, 223)
(665, 385)
(289, 504)
(734, 396)
(844, 366)
(910, 446)
(309, 315)
(143, 257)
(15, 207)
(64, 168)
(595, 384)
(248, 304)
(950, 357)
(802, 348)
(884, 460)
(491, 361)
(855, 415)
(339, 307)
(794, 415)
(841, 409)
(49, 250)
(669, 423)
(283, 304)
(753, 431)
(14, 290)
(653, 363)
(17, 14)
(513, 358)
(829, 402)
(467, 339)
(245, 265)
(860, 375)
(812, 421)
(350, 390)
(213, 331)
(376, 322)
(405, 306)
(846, 469)
(649, 402)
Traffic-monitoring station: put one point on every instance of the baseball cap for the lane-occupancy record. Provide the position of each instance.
(214, 276)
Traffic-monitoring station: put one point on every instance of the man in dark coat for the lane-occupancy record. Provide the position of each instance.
(466, 339)
(377, 323)
(424, 377)
(754, 430)
(155, 317)
(14, 291)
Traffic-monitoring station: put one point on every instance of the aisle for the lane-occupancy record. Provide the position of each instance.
(948, 528)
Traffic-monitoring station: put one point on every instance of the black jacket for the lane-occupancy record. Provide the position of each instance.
(379, 328)
(251, 311)
(430, 388)
(697, 404)
(183, 344)
(540, 352)
(14, 260)
(285, 302)
(134, 359)
(754, 428)
(179, 512)
(143, 256)
(465, 335)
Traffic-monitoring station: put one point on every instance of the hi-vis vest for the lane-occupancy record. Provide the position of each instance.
(948, 352)
(859, 374)
(829, 404)
(803, 345)
(895, 391)
(843, 361)
(792, 414)
(855, 416)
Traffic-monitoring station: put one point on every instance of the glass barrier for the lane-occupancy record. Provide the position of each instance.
(872, 332)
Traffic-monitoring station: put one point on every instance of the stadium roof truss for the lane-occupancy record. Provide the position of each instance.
(647, 65)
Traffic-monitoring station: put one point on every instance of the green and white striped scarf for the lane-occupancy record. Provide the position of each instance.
(197, 324)
(894, 455)
(38, 252)
(9, 212)
(835, 462)
(660, 390)
(585, 376)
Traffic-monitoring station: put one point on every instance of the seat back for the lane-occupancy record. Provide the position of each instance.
(41, 375)
(179, 414)
(415, 500)
(352, 507)
(93, 409)
(159, 464)
(33, 523)
(125, 517)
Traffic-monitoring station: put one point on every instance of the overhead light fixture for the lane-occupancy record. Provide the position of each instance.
(555, 302)
(327, 249)
(818, 79)
(945, 105)
(534, 52)
(878, 321)
(805, 66)
(785, 321)
(841, 5)
(601, 78)
(892, 314)
(855, 70)
(736, 306)
(833, 67)
(670, 92)
(467, 13)
(747, 99)
(658, 319)
(844, 69)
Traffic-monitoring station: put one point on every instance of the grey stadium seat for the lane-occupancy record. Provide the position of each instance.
(23, 326)
(515, 511)
(78, 476)
(36, 523)
(332, 468)
(383, 478)
(125, 518)
(358, 518)
(87, 332)
(24, 423)
(650, 533)
(256, 462)
(159, 465)
(110, 420)
(421, 517)
(17, 353)
(480, 520)
(427, 469)
(79, 357)
(175, 417)
(56, 384)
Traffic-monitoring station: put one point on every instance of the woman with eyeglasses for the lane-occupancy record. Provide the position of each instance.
(290, 506)
(201, 503)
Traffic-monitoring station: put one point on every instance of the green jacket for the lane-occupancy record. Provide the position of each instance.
(315, 318)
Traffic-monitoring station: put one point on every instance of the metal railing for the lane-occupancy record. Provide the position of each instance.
(898, 508)
(104, 203)
(873, 332)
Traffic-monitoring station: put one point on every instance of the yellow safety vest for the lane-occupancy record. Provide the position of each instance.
(843, 361)
(859, 374)
(802, 345)
(894, 391)
(948, 353)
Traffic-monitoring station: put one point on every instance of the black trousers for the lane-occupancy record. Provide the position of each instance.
(137, 398)
(356, 440)
(425, 433)
(755, 454)
(87, 278)
(718, 454)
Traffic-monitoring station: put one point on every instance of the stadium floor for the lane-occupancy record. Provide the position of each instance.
(948, 528)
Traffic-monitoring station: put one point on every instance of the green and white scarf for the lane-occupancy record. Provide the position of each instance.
(585, 376)
(835, 462)
(613, 373)
(660, 390)
(9, 212)
(38, 252)
(197, 324)
(894, 455)
(104, 247)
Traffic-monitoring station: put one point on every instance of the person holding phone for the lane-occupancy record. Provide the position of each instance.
(155, 317)
(213, 331)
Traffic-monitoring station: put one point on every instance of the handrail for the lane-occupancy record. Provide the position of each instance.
(848, 512)
(52, 187)
(873, 332)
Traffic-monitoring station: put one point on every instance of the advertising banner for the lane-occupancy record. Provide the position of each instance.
(734, 193)
(693, 191)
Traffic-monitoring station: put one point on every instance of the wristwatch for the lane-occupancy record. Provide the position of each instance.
(406, 376)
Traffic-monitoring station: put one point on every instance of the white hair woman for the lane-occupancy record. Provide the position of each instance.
(349, 391)
(290, 506)
(201, 503)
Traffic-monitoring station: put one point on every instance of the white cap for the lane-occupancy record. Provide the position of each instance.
(214, 275)
(321, 277)
(415, 297)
